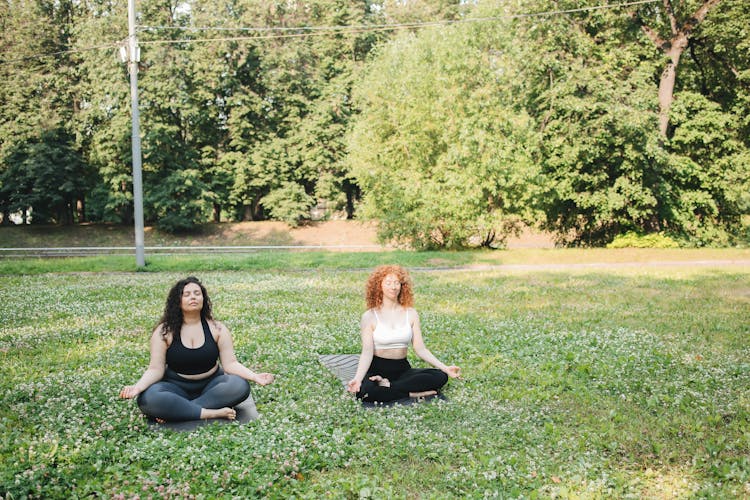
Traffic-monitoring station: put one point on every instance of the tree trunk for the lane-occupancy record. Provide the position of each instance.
(673, 49)
(352, 194)
(81, 210)
(217, 213)
(258, 213)
(666, 87)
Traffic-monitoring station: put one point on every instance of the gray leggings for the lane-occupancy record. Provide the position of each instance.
(175, 398)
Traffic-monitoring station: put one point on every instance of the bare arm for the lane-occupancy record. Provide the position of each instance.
(156, 366)
(424, 353)
(229, 359)
(367, 325)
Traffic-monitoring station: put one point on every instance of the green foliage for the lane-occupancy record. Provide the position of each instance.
(443, 158)
(635, 240)
(601, 154)
(288, 203)
(289, 107)
(48, 175)
(595, 104)
(591, 385)
(606, 170)
(711, 171)
(177, 201)
(465, 130)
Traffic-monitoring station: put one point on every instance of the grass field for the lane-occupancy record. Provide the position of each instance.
(630, 381)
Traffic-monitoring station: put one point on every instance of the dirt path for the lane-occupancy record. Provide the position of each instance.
(343, 232)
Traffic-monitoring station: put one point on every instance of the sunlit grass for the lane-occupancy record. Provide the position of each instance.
(625, 382)
(264, 260)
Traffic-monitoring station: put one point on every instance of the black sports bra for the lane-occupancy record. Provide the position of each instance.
(193, 361)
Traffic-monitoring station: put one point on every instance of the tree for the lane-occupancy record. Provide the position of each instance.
(288, 119)
(175, 195)
(47, 177)
(600, 153)
(672, 38)
(710, 184)
(103, 124)
(39, 91)
(590, 87)
(443, 156)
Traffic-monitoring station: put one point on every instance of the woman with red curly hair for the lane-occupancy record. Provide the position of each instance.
(388, 326)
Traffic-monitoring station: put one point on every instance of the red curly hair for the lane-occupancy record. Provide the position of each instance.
(374, 289)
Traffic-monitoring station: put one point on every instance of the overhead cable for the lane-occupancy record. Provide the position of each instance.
(393, 26)
(278, 32)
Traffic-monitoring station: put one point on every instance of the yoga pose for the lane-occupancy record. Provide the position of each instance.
(183, 380)
(388, 326)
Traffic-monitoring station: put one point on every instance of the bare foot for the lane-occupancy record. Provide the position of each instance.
(160, 421)
(226, 412)
(382, 382)
(422, 394)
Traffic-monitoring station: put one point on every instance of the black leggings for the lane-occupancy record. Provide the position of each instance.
(403, 378)
(176, 398)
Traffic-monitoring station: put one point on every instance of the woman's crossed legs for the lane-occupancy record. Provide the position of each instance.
(177, 399)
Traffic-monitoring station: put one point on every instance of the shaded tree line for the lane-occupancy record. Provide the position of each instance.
(449, 136)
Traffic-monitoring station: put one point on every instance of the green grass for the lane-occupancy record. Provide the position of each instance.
(323, 260)
(578, 383)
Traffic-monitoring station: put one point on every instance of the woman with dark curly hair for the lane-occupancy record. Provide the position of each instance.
(183, 380)
(388, 326)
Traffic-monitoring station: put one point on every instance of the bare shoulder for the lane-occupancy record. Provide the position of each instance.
(216, 324)
(368, 317)
(217, 328)
(368, 314)
(159, 336)
(159, 332)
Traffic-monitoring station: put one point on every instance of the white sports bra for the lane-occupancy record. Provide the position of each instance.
(385, 337)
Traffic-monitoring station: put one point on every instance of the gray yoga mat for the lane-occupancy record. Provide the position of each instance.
(344, 366)
(246, 412)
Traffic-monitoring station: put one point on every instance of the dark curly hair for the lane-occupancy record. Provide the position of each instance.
(374, 290)
(171, 320)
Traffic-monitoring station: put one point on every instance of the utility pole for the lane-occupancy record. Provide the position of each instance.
(133, 54)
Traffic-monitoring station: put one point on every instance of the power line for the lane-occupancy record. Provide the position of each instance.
(392, 26)
(279, 32)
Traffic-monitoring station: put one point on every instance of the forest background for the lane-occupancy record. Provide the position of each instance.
(451, 123)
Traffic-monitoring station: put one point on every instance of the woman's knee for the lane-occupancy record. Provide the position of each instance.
(441, 377)
(150, 395)
(149, 399)
(236, 386)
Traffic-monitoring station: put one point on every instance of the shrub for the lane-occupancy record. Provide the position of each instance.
(632, 239)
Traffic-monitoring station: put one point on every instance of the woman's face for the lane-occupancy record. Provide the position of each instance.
(391, 287)
(192, 298)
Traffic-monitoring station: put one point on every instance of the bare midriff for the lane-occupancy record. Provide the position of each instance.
(399, 353)
(200, 376)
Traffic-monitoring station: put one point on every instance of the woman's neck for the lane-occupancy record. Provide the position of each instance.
(191, 318)
(389, 305)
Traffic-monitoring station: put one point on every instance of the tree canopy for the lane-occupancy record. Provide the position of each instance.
(451, 123)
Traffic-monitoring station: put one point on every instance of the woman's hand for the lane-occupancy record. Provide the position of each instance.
(453, 371)
(354, 385)
(129, 391)
(263, 378)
